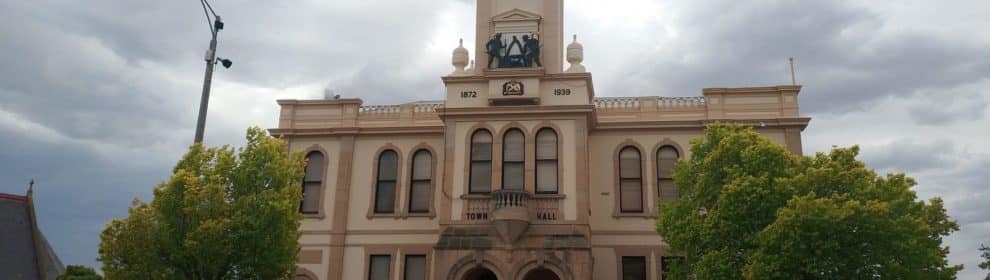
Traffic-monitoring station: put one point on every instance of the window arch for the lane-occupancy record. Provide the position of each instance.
(666, 159)
(630, 180)
(421, 182)
(546, 161)
(388, 171)
(513, 160)
(481, 162)
(312, 183)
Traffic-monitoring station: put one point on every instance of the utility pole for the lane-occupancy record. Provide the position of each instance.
(211, 60)
(204, 101)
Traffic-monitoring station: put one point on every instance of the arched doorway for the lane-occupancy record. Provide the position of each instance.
(541, 274)
(480, 273)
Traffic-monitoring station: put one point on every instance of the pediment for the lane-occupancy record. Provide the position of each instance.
(516, 15)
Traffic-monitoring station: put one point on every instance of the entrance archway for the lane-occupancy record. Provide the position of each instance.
(541, 274)
(480, 273)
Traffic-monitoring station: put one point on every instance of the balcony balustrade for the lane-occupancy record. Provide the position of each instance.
(536, 209)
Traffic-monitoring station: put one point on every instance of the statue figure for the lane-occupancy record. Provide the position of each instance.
(494, 49)
(531, 51)
(514, 54)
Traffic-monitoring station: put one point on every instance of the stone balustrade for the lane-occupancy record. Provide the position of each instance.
(379, 109)
(479, 209)
(510, 199)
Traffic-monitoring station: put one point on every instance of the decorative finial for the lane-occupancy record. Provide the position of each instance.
(575, 55)
(459, 59)
(31, 186)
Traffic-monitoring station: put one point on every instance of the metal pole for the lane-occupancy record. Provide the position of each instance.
(211, 56)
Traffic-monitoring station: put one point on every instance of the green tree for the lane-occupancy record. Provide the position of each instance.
(222, 215)
(985, 264)
(78, 272)
(750, 209)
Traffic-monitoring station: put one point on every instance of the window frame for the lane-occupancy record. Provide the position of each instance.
(405, 265)
(520, 163)
(432, 181)
(616, 190)
(319, 214)
(622, 266)
(369, 267)
(621, 179)
(555, 160)
(657, 159)
(375, 179)
(472, 161)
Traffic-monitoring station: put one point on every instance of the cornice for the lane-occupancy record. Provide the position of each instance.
(535, 110)
(339, 131)
(769, 89)
(357, 101)
(799, 122)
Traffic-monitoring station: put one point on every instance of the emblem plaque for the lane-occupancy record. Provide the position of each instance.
(512, 88)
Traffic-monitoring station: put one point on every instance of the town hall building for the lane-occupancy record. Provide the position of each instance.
(520, 173)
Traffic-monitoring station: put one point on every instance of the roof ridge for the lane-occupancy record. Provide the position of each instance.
(13, 197)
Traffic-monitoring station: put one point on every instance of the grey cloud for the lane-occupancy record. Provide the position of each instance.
(77, 190)
(842, 59)
(941, 110)
(382, 84)
(908, 155)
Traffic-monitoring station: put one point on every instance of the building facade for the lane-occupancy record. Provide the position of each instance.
(520, 173)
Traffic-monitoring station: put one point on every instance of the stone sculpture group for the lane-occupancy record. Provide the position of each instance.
(528, 53)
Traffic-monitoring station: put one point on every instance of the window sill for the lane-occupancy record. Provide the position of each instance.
(374, 215)
(316, 216)
(644, 215)
(430, 215)
(476, 196)
(549, 196)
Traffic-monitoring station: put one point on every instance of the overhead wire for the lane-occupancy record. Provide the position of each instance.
(207, 14)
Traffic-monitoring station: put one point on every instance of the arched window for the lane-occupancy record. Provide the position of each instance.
(481, 162)
(388, 171)
(312, 183)
(666, 158)
(421, 182)
(630, 180)
(513, 160)
(546, 161)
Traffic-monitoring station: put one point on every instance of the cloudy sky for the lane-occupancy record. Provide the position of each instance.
(98, 98)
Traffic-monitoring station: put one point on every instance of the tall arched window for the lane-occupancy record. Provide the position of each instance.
(546, 161)
(513, 160)
(666, 158)
(312, 183)
(421, 182)
(388, 171)
(481, 162)
(630, 180)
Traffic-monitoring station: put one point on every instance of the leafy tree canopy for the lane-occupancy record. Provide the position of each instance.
(78, 272)
(750, 209)
(222, 215)
(985, 264)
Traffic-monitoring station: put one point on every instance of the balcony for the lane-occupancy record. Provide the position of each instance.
(521, 205)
